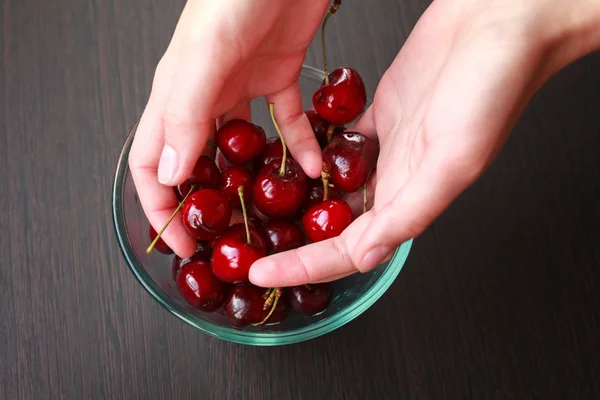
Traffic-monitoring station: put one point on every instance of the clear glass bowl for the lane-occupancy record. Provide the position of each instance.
(352, 295)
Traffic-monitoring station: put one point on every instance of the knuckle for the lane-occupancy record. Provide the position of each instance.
(343, 254)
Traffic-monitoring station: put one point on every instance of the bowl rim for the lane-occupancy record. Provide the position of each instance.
(308, 332)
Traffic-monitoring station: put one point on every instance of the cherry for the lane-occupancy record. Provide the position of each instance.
(240, 141)
(160, 245)
(236, 250)
(231, 179)
(326, 220)
(323, 130)
(280, 186)
(282, 235)
(343, 98)
(199, 287)
(280, 311)
(272, 151)
(205, 174)
(206, 214)
(309, 299)
(244, 305)
(203, 253)
(350, 157)
(314, 193)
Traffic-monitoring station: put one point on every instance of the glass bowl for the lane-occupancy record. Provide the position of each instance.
(351, 296)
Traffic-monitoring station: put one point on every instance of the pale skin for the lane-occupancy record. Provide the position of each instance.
(441, 112)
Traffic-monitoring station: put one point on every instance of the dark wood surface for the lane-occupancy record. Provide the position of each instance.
(499, 299)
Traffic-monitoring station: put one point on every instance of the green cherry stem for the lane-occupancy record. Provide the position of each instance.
(332, 10)
(245, 213)
(149, 249)
(284, 157)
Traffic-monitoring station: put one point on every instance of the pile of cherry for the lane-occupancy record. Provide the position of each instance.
(260, 202)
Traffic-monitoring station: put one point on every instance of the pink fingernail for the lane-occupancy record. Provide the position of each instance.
(374, 258)
(167, 165)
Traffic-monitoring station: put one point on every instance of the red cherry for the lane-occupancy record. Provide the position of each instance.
(240, 141)
(350, 158)
(205, 174)
(326, 220)
(272, 151)
(281, 311)
(203, 253)
(160, 245)
(321, 127)
(206, 213)
(233, 255)
(343, 99)
(199, 287)
(314, 193)
(244, 305)
(232, 178)
(282, 235)
(277, 195)
(309, 299)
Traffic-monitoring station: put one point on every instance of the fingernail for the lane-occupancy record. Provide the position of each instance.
(167, 166)
(374, 258)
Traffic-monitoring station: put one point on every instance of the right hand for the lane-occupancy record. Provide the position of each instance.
(222, 55)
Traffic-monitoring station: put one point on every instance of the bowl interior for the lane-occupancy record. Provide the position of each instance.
(352, 295)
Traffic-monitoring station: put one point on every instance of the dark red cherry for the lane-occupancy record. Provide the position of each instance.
(350, 158)
(326, 220)
(277, 195)
(282, 235)
(320, 127)
(281, 310)
(203, 253)
(205, 174)
(231, 179)
(240, 141)
(309, 299)
(160, 245)
(314, 193)
(206, 214)
(244, 305)
(199, 287)
(343, 99)
(233, 255)
(272, 151)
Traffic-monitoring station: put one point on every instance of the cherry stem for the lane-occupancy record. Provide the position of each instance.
(241, 193)
(330, 131)
(284, 157)
(275, 294)
(149, 249)
(334, 7)
(325, 175)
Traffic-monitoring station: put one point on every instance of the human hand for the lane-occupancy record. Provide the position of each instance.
(222, 55)
(441, 113)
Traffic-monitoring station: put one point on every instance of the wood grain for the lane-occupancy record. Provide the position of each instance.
(499, 299)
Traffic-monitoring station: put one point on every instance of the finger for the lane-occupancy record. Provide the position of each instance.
(189, 111)
(157, 201)
(296, 129)
(434, 184)
(366, 124)
(240, 111)
(315, 262)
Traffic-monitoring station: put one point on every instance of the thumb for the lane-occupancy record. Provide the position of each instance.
(431, 187)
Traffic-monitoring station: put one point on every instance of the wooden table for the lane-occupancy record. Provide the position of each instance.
(499, 299)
